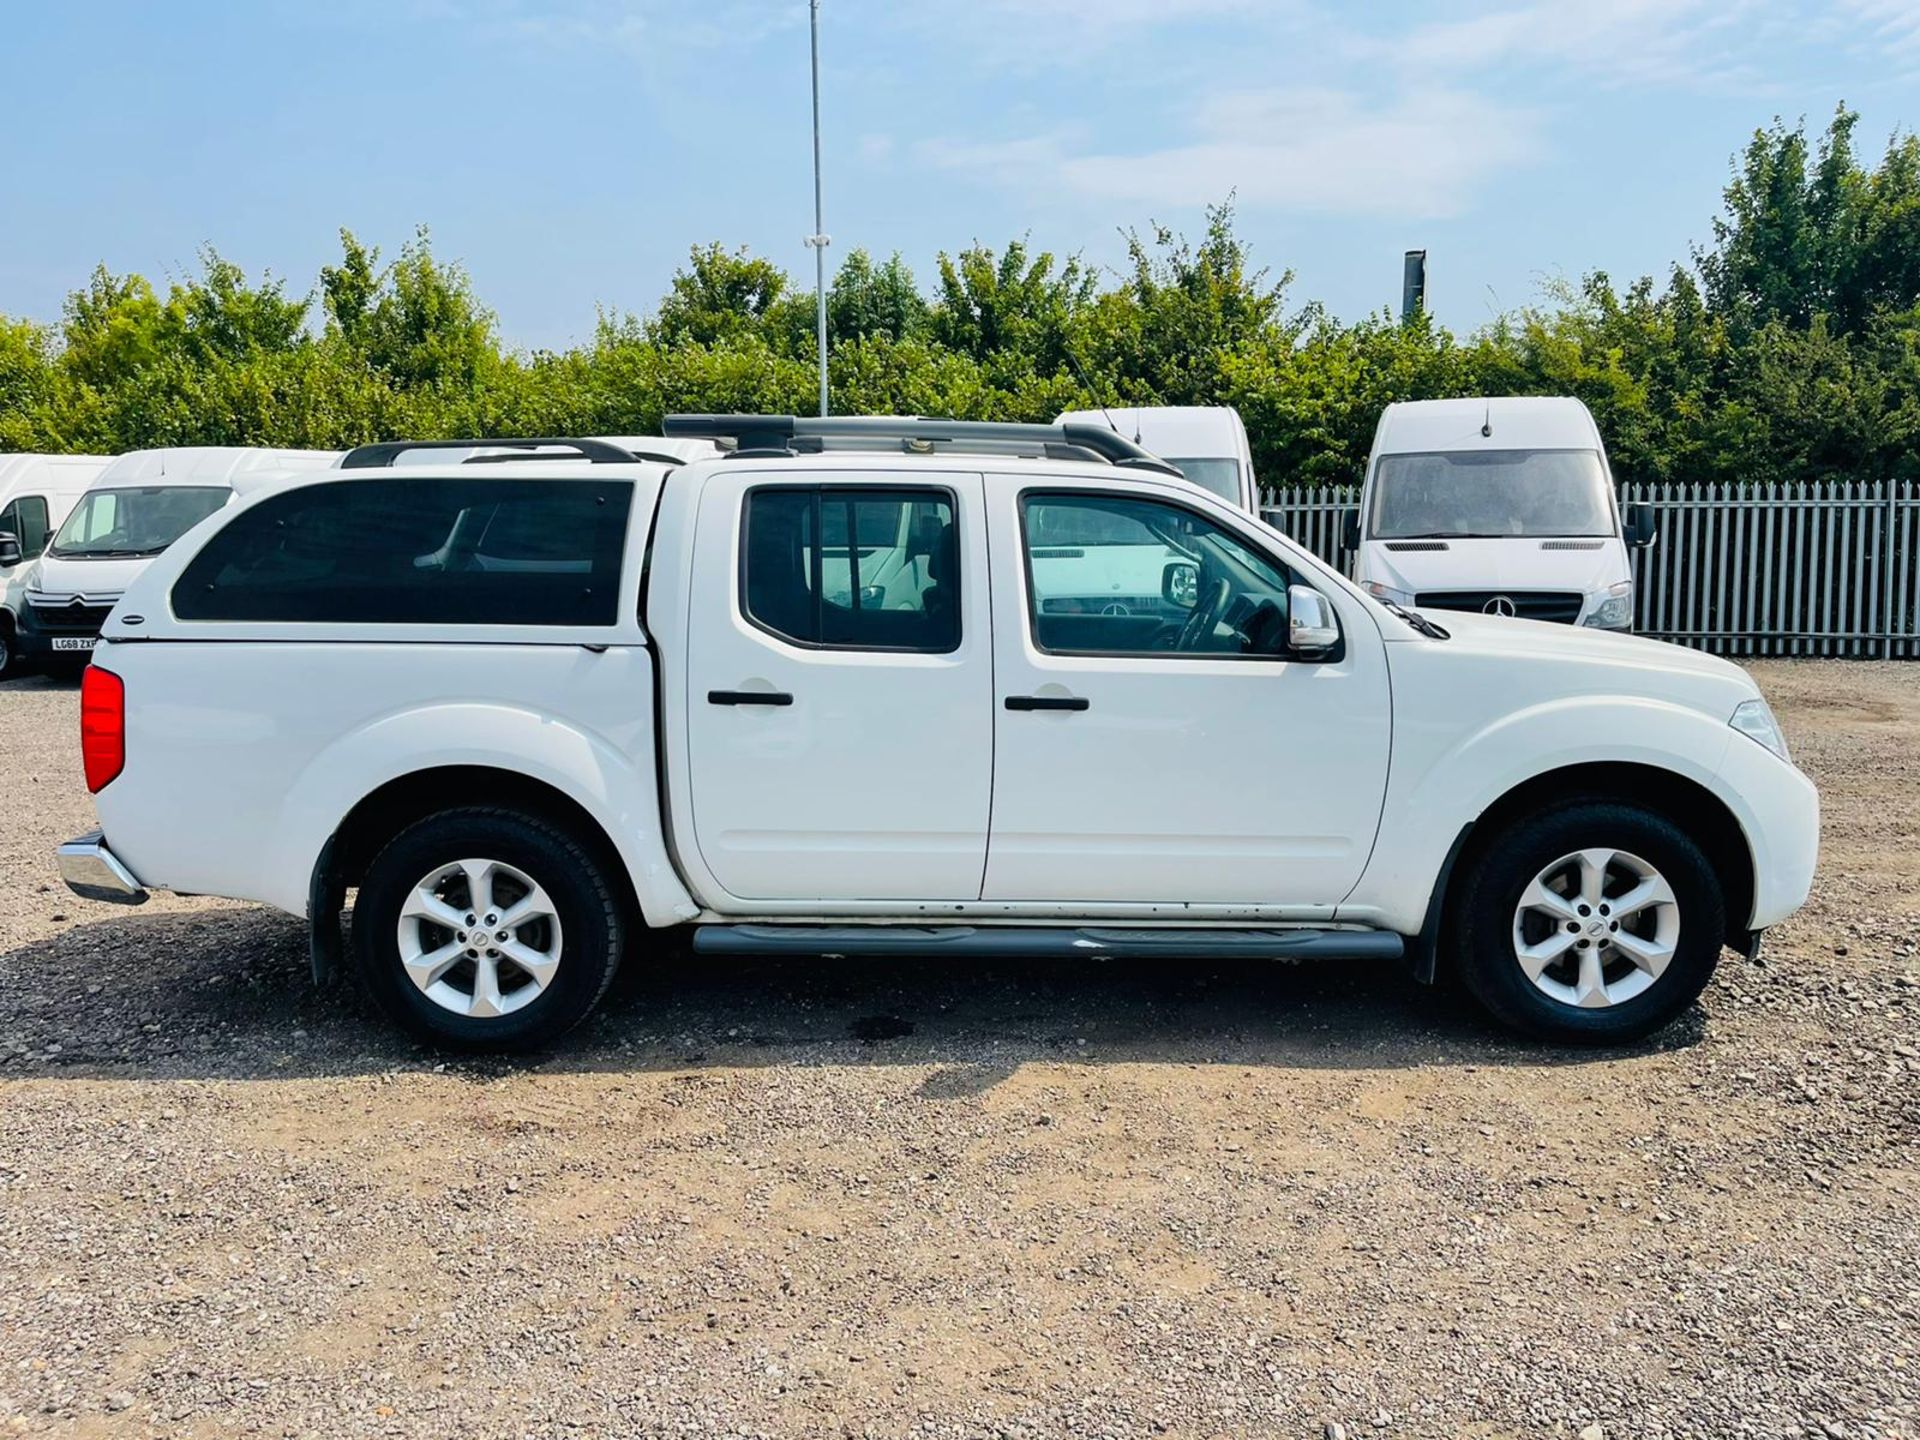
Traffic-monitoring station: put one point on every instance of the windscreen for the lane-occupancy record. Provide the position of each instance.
(1212, 472)
(142, 520)
(1491, 493)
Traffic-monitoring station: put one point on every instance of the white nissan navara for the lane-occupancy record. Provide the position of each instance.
(901, 687)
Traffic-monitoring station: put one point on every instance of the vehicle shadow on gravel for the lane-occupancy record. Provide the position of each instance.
(226, 994)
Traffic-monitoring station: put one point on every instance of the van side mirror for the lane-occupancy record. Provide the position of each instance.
(1350, 530)
(10, 552)
(1642, 527)
(1312, 630)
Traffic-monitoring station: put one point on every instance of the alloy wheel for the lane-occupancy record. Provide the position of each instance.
(1596, 928)
(479, 938)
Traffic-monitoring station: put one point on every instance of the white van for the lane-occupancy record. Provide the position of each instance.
(137, 505)
(1206, 443)
(1504, 506)
(37, 492)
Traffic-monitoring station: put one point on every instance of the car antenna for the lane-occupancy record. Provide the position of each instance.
(1081, 376)
(1486, 426)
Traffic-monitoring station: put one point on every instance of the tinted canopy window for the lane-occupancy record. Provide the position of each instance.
(418, 552)
(853, 569)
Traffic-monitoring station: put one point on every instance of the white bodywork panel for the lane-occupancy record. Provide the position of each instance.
(898, 786)
(874, 783)
(1187, 779)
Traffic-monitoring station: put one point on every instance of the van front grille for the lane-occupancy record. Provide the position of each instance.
(72, 617)
(1560, 606)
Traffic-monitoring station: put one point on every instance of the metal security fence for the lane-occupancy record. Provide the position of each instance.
(1804, 569)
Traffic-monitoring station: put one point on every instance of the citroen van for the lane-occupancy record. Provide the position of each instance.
(136, 507)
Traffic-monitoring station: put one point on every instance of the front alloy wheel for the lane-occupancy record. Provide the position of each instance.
(1596, 928)
(1595, 922)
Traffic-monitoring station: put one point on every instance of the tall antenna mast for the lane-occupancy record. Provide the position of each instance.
(818, 241)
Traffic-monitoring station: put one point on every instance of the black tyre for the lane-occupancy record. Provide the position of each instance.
(9, 651)
(1595, 923)
(487, 929)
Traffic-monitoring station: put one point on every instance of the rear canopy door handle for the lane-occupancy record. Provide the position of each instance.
(1048, 702)
(749, 697)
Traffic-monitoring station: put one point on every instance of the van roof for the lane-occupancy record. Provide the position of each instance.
(75, 471)
(1185, 430)
(1518, 422)
(206, 464)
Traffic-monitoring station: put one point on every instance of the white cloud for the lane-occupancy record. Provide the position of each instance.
(1422, 155)
(655, 29)
(1619, 42)
(1894, 25)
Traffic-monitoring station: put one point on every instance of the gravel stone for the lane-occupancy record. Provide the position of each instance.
(866, 1198)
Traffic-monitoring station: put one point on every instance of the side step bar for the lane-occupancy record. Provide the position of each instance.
(1045, 942)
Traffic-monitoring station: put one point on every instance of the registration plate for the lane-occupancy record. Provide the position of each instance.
(73, 642)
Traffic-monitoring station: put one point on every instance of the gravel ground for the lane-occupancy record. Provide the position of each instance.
(873, 1199)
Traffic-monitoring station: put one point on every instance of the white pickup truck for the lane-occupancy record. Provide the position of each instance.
(867, 686)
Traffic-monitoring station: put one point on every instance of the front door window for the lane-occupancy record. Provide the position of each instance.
(1118, 575)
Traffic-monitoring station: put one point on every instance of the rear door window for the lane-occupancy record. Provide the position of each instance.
(418, 552)
(852, 568)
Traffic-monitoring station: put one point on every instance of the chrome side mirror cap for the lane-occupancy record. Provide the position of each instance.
(1312, 629)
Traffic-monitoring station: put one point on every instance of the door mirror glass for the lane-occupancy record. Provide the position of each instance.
(10, 551)
(1350, 530)
(1180, 584)
(1312, 630)
(1642, 527)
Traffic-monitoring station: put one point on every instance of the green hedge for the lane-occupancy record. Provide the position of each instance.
(1787, 349)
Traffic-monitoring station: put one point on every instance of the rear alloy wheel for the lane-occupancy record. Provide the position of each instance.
(1595, 922)
(480, 938)
(487, 929)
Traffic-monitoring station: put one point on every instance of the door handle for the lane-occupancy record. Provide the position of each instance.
(1048, 702)
(748, 697)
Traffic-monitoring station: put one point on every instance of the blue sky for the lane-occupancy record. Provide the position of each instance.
(568, 152)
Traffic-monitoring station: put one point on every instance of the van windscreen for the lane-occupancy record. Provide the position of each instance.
(1217, 473)
(135, 520)
(1467, 494)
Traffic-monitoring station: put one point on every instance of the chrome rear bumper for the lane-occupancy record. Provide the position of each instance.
(94, 872)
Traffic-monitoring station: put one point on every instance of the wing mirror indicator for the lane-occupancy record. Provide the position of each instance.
(1180, 584)
(1312, 630)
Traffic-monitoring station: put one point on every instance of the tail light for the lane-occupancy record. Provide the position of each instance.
(103, 726)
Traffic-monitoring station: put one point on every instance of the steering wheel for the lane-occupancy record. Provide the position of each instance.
(1207, 613)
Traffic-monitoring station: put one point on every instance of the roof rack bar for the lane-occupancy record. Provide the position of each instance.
(776, 433)
(599, 452)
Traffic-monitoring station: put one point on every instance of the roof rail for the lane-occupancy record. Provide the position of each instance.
(599, 452)
(915, 435)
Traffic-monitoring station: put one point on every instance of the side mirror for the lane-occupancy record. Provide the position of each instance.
(1180, 584)
(10, 551)
(1312, 629)
(1642, 527)
(1350, 531)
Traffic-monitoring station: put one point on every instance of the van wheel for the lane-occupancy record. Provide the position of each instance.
(1594, 923)
(486, 929)
(8, 654)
